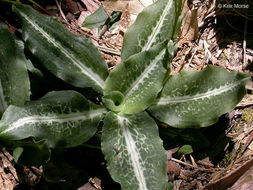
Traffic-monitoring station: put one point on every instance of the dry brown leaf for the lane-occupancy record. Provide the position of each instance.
(245, 182)
(170, 152)
(91, 5)
(173, 168)
(125, 19)
(82, 17)
(189, 29)
(239, 175)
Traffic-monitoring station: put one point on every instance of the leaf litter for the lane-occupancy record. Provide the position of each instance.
(203, 40)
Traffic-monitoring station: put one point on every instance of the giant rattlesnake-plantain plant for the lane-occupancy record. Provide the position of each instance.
(139, 87)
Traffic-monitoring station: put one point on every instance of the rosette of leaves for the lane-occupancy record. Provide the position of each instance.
(133, 94)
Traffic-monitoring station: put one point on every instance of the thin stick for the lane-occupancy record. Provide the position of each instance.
(61, 12)
(190, 165)
(108, 50)
(193, 161)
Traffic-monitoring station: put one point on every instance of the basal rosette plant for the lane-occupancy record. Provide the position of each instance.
(136, 91)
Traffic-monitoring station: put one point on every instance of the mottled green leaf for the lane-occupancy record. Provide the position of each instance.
(71, 58)
(62, 118)
(14, 81)
(97, 19)
(139, 79)
(134, 152)
(155, 24)
(198, 98)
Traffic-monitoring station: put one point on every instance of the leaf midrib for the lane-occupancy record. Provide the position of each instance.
(87, 71)
(157, 28)
(133, 152)
(134, 86)
(214, 92)
(61, 118)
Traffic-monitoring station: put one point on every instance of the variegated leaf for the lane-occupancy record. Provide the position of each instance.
(14, 81)
(134, 152)
(62, 118)
(139, 79)
(198, 98)
(155, 24)
(69, 57)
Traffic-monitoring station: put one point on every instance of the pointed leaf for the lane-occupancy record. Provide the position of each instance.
(155, 24)
(69, 57)
(33, 69)
(31, 153)
(140, 78)
(199, 98)
(14, 81)
(63, 119)
(185, 149)
(97, 19)
(134, 152)
(29, 65)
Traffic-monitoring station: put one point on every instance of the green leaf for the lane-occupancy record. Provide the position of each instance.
(186, 149)
(14, 81)
(155, 24)
(31, 153)
(97, 19)
(17, 152)
(170, 186)
(114, 101)
(63, 119)
(198, 98)
(69, 57)
(29, 65)
(140, 78)
(134, 152)
(32, 69)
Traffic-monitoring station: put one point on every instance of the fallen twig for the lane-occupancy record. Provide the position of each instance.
(192, 166)
(61, 12)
